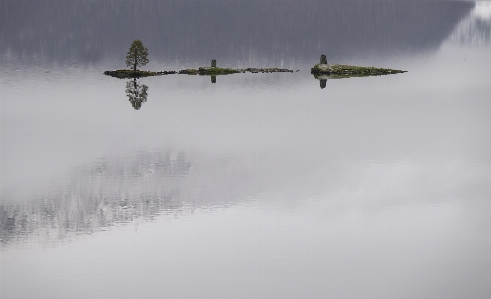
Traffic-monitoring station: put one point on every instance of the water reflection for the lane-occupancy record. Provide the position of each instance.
(99, 196)
(137, 93)
(323, 78)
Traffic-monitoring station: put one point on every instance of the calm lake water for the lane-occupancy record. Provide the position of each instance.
(258, 185)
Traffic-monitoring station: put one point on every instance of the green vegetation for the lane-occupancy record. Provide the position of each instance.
(210, 71)
(217, 71)
(214, 71)
(137, 55)
(345, 71)
(125, 74)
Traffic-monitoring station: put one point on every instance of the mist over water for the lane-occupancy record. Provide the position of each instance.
(256, 185)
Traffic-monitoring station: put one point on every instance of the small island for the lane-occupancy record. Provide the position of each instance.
(126, 74)
(213, 70)
(202, 71)
(323, 70)
(137, 56)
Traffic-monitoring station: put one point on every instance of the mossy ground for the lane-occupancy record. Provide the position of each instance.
(203, 71)
(124, 74)
(345, 71)
(210, 71)
(215, 71)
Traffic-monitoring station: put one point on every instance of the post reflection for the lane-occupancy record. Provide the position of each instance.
(137, 93)
(323, 79)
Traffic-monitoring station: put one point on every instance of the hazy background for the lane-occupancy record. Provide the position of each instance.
(260, 185)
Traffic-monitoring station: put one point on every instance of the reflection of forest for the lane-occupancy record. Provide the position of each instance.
(134, 188)
(97, 197)
(227, 30)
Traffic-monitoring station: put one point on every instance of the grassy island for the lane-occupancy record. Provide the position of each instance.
(346, 71)
(214, 71)
(210, 71)
(125, 74)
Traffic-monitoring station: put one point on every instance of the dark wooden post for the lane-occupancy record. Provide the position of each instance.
(213, 63)
(323, 59)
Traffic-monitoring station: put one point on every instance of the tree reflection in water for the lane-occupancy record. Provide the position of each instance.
(137, 93)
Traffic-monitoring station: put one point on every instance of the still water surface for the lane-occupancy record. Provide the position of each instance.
(258, 185)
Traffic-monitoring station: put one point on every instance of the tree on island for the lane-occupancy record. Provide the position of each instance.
(137, 55)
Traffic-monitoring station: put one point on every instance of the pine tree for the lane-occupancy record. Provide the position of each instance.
(137, 55)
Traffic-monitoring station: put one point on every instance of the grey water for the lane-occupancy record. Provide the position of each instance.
(268, 185)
